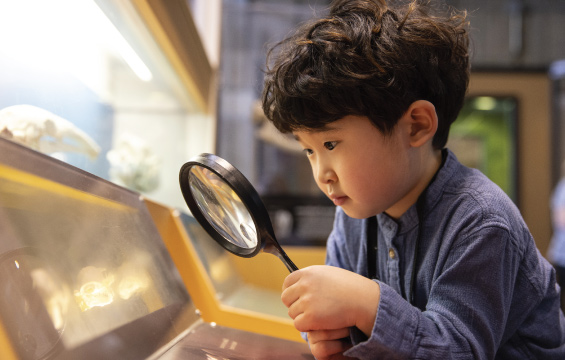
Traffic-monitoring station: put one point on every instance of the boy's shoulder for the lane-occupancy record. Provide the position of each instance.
(466, 194)
(457, 182)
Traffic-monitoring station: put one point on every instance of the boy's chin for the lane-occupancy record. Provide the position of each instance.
(357, 213)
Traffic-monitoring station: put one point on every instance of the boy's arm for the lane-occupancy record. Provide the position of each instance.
(468, 302)
(468, 312)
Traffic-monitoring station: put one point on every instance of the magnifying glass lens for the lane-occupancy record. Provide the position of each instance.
(222, 207)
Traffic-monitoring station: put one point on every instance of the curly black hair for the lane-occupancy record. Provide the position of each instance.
(369, 58)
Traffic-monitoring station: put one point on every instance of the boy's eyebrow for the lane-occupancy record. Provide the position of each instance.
(327, 128)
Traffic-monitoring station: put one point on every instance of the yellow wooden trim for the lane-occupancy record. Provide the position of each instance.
(6, 350)
(155, 26)
(200, 286)
(37, 182)
(251, 270)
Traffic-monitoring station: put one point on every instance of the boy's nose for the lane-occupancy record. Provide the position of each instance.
(326, 176)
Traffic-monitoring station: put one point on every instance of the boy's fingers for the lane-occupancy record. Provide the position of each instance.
(322, 335)
(294, 311)
(289, 296)
(306, 322)
(291, 279)
(329, 348)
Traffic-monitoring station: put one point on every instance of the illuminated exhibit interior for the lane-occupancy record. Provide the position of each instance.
(83, 270)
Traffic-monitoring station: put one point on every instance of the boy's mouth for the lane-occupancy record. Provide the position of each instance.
(338, 200)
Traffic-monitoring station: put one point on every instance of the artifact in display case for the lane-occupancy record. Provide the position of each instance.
(79, 257)
(84, 274)
(228, 207)
(44, 131)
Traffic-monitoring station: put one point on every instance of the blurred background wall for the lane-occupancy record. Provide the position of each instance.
(514, 44)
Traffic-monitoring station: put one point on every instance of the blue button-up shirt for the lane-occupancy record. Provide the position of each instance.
(481, 288)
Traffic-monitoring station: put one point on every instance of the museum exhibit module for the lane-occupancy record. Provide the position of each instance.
(85, 272)
(100, 256)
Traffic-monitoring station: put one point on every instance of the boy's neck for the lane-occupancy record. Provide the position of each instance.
(433, 164)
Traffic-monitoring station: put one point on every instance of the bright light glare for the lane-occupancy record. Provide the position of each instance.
(486, 103)
(65, 36)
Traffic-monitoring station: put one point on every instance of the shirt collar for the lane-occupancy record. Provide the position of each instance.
(428, 199)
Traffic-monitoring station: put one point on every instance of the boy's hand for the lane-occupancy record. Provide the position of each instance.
(329, 344)
(329, 298)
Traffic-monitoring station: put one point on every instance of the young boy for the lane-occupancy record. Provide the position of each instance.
(428, 259)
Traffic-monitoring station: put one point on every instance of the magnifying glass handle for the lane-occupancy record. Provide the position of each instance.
(274, 248)
(286, 260)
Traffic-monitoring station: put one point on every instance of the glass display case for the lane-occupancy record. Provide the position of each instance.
(85, 273)
(107, 86)
(79, 258)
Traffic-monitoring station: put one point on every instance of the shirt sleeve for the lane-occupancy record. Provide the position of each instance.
(467, 308)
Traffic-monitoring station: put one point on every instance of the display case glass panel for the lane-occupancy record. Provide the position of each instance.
(86, 81)
(84, 274)
(79, 258)
(231, 289)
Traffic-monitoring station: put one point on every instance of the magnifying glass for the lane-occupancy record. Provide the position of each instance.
(227, 206)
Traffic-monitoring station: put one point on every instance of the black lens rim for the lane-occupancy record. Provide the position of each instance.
(241, 186)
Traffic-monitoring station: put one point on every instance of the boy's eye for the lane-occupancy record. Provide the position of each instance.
(330, 145)
(308, 152)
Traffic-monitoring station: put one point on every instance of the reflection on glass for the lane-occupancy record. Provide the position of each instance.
(132, 277)
(95, 262)
(98, 286)
(55, 294)
(222, 207)
(95, 288)
(34, 304)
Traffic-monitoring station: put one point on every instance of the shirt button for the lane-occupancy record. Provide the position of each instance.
(391, 253)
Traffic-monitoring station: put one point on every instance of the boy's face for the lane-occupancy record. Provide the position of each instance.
(359, 168)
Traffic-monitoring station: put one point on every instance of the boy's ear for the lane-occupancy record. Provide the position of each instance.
(422, 122)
